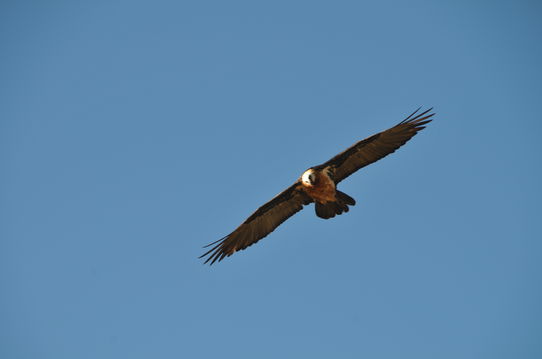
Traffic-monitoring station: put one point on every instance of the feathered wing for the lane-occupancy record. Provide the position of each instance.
(260, 223)
(378, 146)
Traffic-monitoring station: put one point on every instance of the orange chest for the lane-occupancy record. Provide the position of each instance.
(323, 189)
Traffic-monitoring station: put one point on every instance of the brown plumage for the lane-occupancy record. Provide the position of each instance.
(318, 184)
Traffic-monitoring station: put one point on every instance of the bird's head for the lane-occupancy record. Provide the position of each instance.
(309, 177)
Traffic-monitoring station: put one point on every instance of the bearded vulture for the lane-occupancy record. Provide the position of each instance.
(318, 184)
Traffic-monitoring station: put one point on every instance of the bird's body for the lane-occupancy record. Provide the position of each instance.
(322, 189)
(318, 184)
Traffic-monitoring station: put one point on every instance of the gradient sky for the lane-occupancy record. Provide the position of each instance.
(134, 132)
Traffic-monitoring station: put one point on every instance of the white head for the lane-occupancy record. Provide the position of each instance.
(309, 177)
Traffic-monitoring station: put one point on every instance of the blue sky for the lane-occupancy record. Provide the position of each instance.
(134, 132)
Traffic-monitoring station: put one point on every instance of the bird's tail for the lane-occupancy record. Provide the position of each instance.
(331, 209)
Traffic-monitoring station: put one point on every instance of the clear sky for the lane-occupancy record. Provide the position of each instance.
(132, 133)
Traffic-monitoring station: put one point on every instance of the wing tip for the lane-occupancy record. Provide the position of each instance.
(215, 252)
(412, 114)
(419, 117)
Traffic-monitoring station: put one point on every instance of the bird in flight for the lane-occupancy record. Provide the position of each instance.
(318, 184)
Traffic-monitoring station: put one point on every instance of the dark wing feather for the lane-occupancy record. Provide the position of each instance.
(260, 223)
(378, 146)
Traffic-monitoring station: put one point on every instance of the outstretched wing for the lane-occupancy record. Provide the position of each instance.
(378, 146)
(260, 223)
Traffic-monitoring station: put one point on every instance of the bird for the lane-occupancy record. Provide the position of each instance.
(318, 185)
